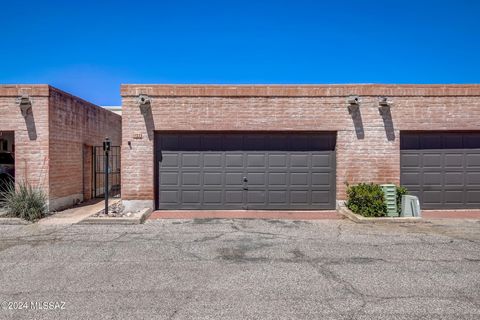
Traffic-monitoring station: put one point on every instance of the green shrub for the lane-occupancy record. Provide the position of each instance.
(400, 192)
(366, 199)
(24, 201)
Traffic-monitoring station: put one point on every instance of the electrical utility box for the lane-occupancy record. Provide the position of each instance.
(390, 192)
(410, 206)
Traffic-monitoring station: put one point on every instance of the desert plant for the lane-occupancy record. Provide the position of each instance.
(400, 192)
(24, 201)
(366, 199)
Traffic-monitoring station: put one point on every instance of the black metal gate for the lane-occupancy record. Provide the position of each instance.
(99, 171)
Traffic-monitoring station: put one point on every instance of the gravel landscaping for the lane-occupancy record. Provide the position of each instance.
(116, 210)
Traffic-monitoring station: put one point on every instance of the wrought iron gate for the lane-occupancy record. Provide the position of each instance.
(99, 171)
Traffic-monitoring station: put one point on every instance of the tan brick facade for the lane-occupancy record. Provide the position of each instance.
(53, 142)
(368, 147)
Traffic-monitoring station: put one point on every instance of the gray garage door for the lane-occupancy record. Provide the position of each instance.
(245, 171)
(442, 168)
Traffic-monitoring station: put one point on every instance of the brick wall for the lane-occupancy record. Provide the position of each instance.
(75, 126)
(53, 143)
(31, 133)
(368, 142)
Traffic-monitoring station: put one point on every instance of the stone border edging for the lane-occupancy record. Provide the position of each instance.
(347, 213)
(137, 218)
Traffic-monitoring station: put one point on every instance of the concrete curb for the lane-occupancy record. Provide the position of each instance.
(343, 210)
(13, 221)
(137, 218)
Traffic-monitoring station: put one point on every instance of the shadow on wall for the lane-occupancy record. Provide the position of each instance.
(387, 122)
(30, 123)
(356, 115)
(146, 111)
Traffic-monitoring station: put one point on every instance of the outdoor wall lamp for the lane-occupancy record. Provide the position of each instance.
(25, 104)
(353, 102)
(384, 102)
(143, 102)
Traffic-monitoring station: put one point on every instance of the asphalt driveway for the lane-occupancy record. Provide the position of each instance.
(242, 269)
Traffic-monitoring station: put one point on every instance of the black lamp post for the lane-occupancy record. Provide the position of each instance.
(106, 150)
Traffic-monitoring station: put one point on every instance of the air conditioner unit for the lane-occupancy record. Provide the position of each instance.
(390, 192)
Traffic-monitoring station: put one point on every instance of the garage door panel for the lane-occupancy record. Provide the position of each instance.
(299, 196)
(299, 178)
(277, 160)
(256, 160)
(169, 179)
(169, 142)
(277, 179)
(411, 160)
(191, 179)
(233, 161)
(453, 141)
(299, 161)
(472, 141)
(232, 142)
(453, 179)
(209, 143)
(282, 171)
(473, 178)
(190, 142)
(321, 179)
(432, 160)
(276, 142)
(431, 178)
(322, 142)
(212, 197)
(442, 168)
(213, 179)
(454, 160)
(213, 160)
(255, 197)
(473, 196)
(190, 196)
(277, 197)
(233, 178)
(433, 197)
(254, 142)
(321, 160)
(320, 196)
(256, 178)
(191, 160)
(453, 196)
(170, 196)
(170, 160)
(430, 141)
(234, 197)
(410, 178)
(299, 143)
(473, 160)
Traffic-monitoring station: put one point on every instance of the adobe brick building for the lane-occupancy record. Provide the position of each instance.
(52, 133)
(296, 147)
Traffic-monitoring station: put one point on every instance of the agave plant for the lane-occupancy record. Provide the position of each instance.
(24, 201)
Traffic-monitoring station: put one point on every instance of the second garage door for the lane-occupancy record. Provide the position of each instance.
(245, 170)
(442, 168)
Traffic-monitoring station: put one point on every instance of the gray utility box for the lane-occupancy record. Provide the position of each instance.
(410, 206)
(390, 192)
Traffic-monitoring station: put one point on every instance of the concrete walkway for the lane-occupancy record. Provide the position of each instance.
(76, 214)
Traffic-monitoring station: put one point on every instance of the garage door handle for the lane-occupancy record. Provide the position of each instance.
(245, 179)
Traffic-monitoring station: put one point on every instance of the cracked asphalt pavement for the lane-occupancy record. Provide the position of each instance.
(243, 269)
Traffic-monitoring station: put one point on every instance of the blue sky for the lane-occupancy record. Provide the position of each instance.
(89, 48)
